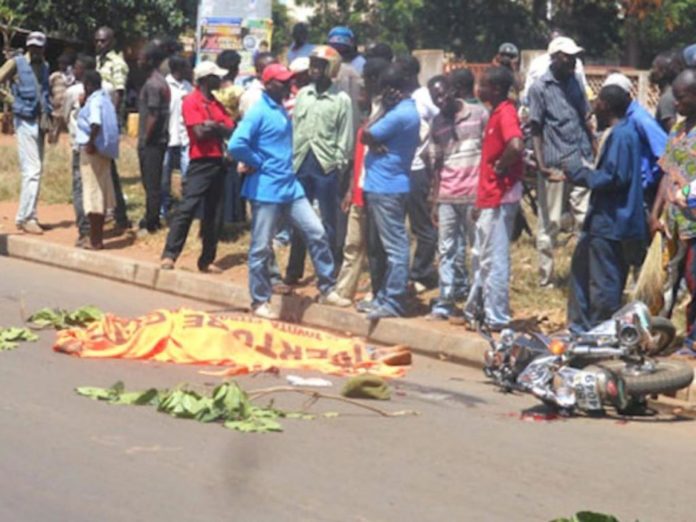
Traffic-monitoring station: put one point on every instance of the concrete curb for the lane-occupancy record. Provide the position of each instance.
(462, 348)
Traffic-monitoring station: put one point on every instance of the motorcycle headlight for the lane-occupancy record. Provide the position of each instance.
(629, 334)
(557, 347)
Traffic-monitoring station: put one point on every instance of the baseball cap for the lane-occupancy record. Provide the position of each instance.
(276, 71)
(564, 45)
(620, 80)
(341, 35)
(509, 48)
(36, 38)
(299, 65)
(208, 68)
(689, 54)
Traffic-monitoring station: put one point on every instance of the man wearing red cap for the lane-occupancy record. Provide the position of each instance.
(263, 142)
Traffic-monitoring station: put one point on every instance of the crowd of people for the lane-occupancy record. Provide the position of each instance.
(347, 157)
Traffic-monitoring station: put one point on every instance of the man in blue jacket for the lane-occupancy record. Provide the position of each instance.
(615, 224)
(263, 142)
(653, 140)
(31, 108)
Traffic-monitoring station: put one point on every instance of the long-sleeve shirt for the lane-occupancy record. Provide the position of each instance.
(653, 140)
(616, 204)
(323, 123)
(263, 141)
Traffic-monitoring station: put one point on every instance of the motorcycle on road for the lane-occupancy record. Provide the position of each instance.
(613, 365)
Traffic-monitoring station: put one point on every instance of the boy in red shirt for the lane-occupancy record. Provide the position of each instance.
(498, 197)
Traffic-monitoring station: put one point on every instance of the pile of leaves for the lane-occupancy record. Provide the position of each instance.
(228, 404)
(61, 319)
(588, 516)
(10, 337)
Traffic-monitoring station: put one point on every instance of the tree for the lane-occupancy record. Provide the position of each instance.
(130, 19)
(390, 21)
(281, 26)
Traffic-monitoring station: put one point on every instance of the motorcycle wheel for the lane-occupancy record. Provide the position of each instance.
(667, 332)
(668, 376)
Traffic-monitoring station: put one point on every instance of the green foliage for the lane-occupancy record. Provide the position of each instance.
(673, 25)
(228, 404)
(282, 27)
(606, 39)
(61, 319)
(11, 336)
(78, 19)
(390, 21)
(588, 516)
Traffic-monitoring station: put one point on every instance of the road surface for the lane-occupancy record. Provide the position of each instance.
(467, 456)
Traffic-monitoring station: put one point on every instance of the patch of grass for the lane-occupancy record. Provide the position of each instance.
(527, 298)
(56, 181)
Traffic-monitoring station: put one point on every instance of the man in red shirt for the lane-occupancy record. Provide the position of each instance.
(498, 200)
(208, 125)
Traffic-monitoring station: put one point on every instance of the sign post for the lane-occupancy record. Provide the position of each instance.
(245, 26)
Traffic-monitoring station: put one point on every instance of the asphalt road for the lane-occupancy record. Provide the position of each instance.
(467, 456)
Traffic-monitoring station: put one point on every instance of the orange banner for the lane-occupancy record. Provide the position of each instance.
(246, 344)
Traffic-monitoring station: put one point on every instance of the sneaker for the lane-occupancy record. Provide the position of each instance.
(419, 287)
(365, 306)
(333, 299)
(436, 316)
(31, 227)
(167, 264)
(265, 311)
(82, 241)
(381, 313)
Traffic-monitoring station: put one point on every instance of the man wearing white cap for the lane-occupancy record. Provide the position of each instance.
(208, 125)
(558, 112)
(653, 139)
(31, 108)
(541, 63)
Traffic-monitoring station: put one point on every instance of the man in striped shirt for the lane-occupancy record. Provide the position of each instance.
(456, 135)
(558, 111)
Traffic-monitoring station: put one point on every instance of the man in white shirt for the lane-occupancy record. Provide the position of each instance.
(423, 273)
(254, 88)
(177, 154)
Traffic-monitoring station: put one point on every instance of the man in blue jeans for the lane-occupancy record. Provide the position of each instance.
(31, 108)
(392, 140)
(323, 140)
(263, 142)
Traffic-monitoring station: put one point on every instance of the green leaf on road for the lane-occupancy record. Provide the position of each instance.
(228, 404)
(588, 516)
(11, 337)
(61, 319)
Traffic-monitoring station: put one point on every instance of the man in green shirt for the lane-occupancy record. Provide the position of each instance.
(323, 141)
